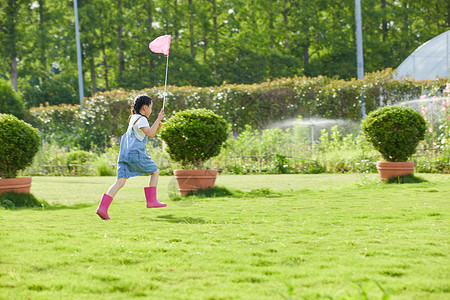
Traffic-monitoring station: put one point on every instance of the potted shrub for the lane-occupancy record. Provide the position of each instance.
(192, 137)
(395, 132)
(19, 143)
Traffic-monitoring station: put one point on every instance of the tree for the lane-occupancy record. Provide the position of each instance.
(12, 31)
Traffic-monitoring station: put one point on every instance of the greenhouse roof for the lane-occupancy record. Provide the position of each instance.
(430, 60)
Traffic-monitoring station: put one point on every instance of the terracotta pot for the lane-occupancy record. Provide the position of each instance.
(189, 180)
(18, 185)
(388, 169)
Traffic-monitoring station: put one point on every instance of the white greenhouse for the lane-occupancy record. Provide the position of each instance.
(430, 60)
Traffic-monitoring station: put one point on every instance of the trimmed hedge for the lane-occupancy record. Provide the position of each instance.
(106, 114)
(19, 142)
(193, 136)
(394, 131)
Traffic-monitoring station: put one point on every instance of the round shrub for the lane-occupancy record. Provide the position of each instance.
(19, 143)
(194, 136)
(394, 131)
(10, 101)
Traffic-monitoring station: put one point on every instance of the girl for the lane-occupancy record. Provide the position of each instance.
(133, 158)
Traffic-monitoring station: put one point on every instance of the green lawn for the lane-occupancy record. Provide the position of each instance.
(312, 237)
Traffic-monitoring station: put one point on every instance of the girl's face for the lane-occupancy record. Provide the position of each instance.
(146, 110)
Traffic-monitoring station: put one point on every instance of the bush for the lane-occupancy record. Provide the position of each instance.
(10, 101)
(194, 136)
(19, 143)
(14, 200)
(78, 157)
(58, 124)
(257, 105)
(54, 90)
(103, 167)
(394, 131)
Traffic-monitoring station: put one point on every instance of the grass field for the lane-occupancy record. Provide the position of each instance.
(285, 237)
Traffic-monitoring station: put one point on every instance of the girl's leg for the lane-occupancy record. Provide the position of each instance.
(154, 179)
(150, 192)
(107, 198)
(120, 182)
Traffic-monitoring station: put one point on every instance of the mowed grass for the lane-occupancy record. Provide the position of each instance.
(284, 237)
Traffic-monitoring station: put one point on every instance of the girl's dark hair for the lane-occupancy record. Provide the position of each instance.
(138, 102)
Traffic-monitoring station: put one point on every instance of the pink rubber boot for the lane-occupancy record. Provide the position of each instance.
(150, 196)
(102, 209)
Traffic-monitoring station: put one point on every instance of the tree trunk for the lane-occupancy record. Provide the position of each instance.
(272, 38)
(120, 48)
(384, 28)
(285, 20)
(437, 14)
(216, 35)
(93, 79)
(175, 20)
(105, 64)
(42, 36)
(448, 15)
(205, 46)
(191, 29)
(12, 11)
(406, 27)
(149, 9)
(306, 52)
(14, 72)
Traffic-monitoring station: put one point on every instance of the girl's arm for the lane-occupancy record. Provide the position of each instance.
(159, 127)
(154, 129)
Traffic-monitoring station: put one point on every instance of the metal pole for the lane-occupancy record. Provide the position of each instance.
(359, 50)
(165, 82)
(359, 43)
(80, 67)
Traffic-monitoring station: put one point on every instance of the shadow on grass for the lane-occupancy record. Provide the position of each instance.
(222, 192)
(173, 219)
(405, 179)
(21, 201)
(75, 206)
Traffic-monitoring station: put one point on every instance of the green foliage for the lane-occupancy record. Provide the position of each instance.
(194, 136)
(106, 114)
(213, 41)
(76, 161)
(282, 165)
(19, 143)
(103, 167)
(11, 200)
(52, 91)
(78, 157)
(103, 117)
(10, 101)
(58, 124)
(394, 131)
(104, 164)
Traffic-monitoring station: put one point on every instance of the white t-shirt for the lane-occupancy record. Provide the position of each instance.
(143, 122)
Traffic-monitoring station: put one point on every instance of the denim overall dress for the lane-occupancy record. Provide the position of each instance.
(133, 157)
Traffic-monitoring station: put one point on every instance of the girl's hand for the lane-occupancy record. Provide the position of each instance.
(161, 115)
